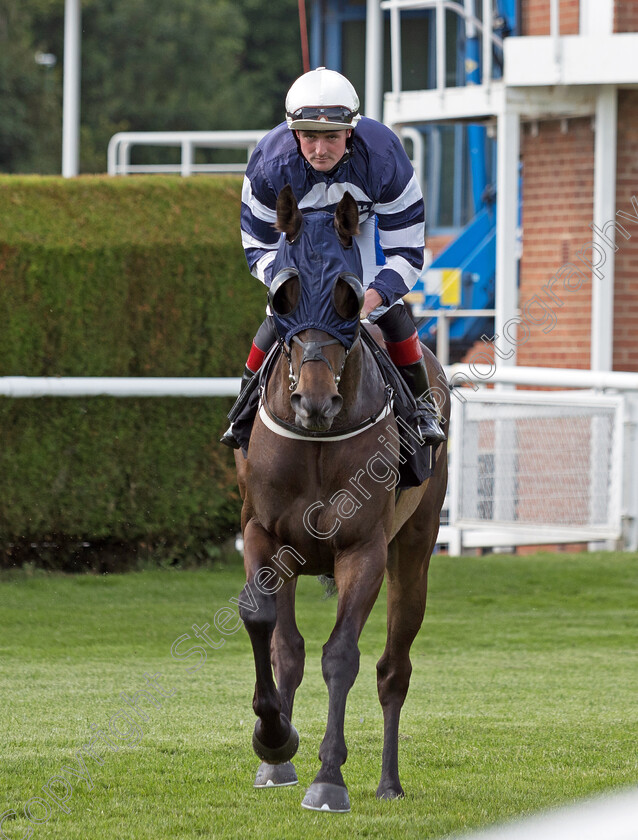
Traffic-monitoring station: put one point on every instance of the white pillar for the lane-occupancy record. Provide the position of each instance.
(506, 303)
(374, 60)
(506, 293)
(596, 17)
(602, 300)
(71, 101)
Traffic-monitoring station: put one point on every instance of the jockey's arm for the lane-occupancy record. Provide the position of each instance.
(401, 227)
(258, 216)
(371, 300)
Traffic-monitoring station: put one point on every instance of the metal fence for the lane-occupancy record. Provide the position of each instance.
(526, 467)
(534, 467)
(542, 467)
(186, 143)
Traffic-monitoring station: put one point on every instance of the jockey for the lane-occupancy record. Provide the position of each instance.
(324, 149)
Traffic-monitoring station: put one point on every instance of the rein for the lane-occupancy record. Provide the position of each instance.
(289, 430)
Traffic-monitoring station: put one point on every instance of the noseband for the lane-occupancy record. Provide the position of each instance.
(312, 352)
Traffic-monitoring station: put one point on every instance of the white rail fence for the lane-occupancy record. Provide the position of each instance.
(118, 153)
(117, 386)
(535, 467)
(527, 467)
(187, 142)
(542, 467)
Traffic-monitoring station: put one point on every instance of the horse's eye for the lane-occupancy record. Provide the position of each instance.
(284, 292)
(347, 296)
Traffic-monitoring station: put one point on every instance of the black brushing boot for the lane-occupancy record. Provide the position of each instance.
(416, 378)
(248, 377)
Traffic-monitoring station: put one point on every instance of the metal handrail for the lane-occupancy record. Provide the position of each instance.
(118, 386)
(453, 6)
(396, 6)
(443, 317)
(119, 150)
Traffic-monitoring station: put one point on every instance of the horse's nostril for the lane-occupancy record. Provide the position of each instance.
(295, 402)
(329, 407)
(335, 406)
(315, 413)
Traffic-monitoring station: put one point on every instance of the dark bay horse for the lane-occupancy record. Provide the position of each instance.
(318, 490)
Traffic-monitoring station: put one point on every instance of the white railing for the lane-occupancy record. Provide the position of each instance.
(418, 150)
(117, 386)
(119, 150)
(600, 380)
(604, 487)
(542, 467)
(443, 318)
(484, 26)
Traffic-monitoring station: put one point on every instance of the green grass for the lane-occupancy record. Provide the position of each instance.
(524, 695)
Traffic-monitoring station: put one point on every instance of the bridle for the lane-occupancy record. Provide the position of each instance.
(290, 430)
(312, 351)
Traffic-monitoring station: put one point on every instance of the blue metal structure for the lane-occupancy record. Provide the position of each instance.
(463, 275)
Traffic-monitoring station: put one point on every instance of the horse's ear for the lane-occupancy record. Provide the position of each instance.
(347, 219)
(289, 216)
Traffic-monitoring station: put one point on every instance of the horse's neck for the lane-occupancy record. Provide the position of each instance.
(354, 388)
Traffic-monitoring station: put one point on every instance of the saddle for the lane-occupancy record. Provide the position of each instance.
(416, 461)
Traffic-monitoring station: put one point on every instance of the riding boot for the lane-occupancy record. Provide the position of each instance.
(416, 378)
(248, 379)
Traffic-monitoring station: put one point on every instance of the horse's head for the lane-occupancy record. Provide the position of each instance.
(315, 298)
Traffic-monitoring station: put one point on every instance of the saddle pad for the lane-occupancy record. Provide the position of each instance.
(417, 461)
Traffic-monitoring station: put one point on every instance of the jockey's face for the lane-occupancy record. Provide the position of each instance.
(323, 149)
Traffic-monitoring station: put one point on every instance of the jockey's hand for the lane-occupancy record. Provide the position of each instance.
(371, 300)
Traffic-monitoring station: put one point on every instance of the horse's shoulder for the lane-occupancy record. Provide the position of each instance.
(376, 333)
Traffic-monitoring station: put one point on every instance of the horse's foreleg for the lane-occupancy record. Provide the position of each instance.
(358, 577)
(408, 559)
(287, 654)
(287, 648)
(275, 740)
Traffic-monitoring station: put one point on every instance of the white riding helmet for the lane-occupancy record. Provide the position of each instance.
(322, 100)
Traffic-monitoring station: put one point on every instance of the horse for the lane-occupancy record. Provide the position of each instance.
(318, 489)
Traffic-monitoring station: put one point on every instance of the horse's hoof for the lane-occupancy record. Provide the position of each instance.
(276, 775)
(390, 793)
(322, 796)
(277, 755)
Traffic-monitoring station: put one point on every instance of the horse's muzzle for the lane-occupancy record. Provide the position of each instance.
(315, 415)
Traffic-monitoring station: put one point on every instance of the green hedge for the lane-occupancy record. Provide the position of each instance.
(120, 277)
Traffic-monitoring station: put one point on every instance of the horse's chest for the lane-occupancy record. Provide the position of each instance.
(320, 501)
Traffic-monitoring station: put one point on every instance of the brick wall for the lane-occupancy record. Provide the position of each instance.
(535, 17)
(626, 284)
(558, 181)
(557, 213)
(626, 16)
